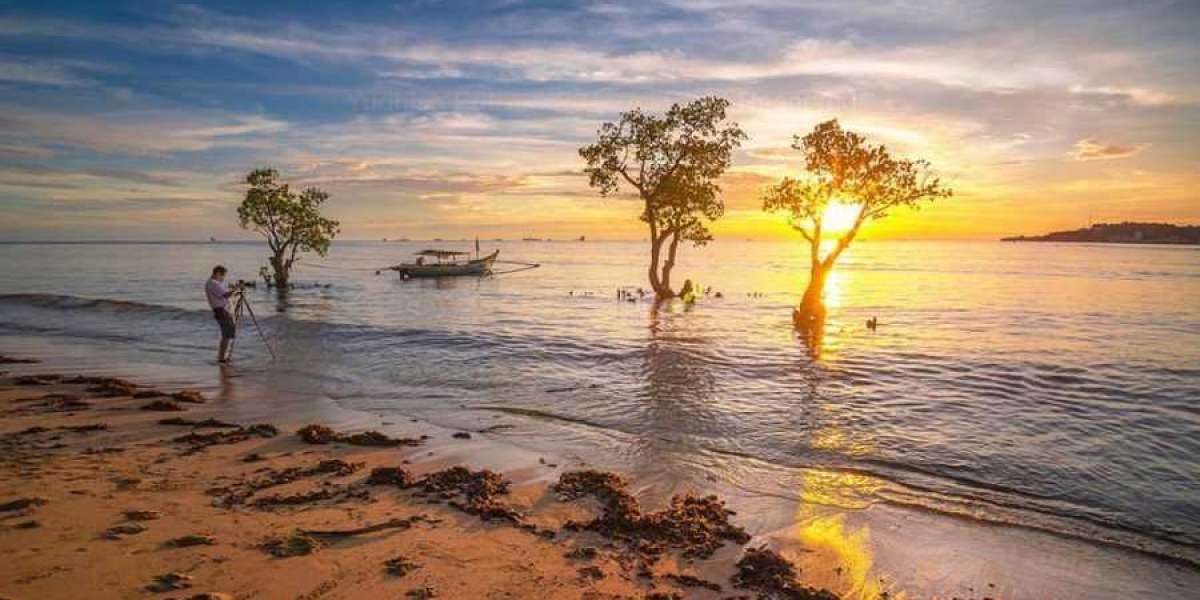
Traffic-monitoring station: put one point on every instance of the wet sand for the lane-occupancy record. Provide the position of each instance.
(109, 489)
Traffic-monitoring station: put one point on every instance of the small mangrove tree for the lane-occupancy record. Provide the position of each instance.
(291, 222)
(673, 162)
(843, 171)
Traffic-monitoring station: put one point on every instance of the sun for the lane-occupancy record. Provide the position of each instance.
(839, 217)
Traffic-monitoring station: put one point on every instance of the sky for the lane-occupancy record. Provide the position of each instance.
(138, 120)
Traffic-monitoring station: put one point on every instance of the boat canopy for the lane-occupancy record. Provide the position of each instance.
(442, 253)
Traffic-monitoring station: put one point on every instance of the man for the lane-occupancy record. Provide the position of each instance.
(218, 299)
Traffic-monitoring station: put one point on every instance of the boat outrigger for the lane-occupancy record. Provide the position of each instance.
(448, 263)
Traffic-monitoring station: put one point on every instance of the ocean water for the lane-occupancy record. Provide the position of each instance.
(1045, 386)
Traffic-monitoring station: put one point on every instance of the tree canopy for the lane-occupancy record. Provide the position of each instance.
(840, 166)
(673, 162)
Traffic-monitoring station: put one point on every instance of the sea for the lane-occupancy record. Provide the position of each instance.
(1036, 387)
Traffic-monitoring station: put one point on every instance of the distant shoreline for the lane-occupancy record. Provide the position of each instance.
(1122, 233)
(1111, 243)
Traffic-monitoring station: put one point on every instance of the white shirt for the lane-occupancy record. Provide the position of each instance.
(216, 291)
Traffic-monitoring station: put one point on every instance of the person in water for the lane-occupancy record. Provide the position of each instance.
(218, 299)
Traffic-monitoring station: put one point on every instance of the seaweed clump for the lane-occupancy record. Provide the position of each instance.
(473, 492)
(295, 544)
(400, 566)
(200, 441)
(774, 577)
(41, 379)
(697, 525)
(238, 494)
(396, 476)
(321, 434)
(111, 387)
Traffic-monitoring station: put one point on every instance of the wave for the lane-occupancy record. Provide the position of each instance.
(61, 302)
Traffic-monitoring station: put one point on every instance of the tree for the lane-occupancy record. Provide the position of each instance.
(673, 162)
(842, 167)
(291, 222)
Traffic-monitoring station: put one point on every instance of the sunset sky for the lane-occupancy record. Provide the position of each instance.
(137, 120)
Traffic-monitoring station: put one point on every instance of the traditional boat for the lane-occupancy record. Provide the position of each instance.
(447, 263)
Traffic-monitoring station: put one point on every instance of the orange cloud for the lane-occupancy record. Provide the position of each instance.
(1090, 149)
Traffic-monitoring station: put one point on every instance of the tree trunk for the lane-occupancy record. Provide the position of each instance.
(812, 305)
(665, 290)
(280, 268)
(655, 254)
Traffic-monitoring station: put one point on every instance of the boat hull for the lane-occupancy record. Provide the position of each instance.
(478, 267)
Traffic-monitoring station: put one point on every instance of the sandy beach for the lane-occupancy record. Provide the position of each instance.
(115, 490)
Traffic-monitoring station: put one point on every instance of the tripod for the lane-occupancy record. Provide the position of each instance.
(243, 307)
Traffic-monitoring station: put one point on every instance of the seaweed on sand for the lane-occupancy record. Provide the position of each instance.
(239, 493)
(200, 441)
(321, 434)
(337, 493)
(400, 566)
(194, 424)
(22, 504)
(691, 581)
(296, 543)
(163, 405)
(54, 403)
(337, 534)
(473, 492)
(169, 582)
(696, 525)
(42, 379)
(396, 476)
(187, 541)
(189, 396)
(112, 387)
(773, 577)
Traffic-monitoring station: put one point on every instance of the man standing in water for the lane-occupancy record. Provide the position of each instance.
(218, 299)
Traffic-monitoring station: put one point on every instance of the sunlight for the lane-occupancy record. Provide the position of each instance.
(839, 217)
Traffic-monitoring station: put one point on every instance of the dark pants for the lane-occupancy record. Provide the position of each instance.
(228, 329)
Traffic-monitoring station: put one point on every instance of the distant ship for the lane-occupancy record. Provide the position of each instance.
(212, 240)
(583, 238)
(531, 239)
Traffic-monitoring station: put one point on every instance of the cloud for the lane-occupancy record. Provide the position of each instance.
(1090, 149)
(38, 72)
(141, 132)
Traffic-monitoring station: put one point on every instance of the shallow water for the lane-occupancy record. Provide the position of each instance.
(1050, 386)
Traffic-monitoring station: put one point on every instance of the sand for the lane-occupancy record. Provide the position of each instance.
(100, 499)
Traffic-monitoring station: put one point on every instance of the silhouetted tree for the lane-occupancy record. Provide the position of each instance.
(291, 222)
(841, 166)
(673, 162)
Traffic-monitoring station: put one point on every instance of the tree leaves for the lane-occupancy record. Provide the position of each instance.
(841, 164)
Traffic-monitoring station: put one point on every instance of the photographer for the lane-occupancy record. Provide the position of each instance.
(218, 299)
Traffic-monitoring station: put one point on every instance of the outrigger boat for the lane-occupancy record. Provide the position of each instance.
(449, 263)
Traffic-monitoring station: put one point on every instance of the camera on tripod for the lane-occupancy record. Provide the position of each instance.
(242, 306)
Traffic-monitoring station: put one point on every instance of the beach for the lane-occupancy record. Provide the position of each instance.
(124, 496)
(913, 462)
